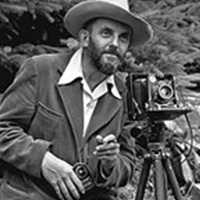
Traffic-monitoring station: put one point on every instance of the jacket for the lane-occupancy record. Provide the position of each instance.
(38, 115)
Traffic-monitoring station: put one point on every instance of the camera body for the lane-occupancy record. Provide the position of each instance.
(83, 173)
(151, 96)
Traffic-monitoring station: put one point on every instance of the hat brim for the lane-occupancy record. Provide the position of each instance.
(77, 17)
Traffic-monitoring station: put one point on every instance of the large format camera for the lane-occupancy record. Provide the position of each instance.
(151, 96)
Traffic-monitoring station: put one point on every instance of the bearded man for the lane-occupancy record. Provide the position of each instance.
(62, 121)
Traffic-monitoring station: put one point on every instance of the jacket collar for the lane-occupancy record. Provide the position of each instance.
(73, 103)
(65, 59)
(73, 71)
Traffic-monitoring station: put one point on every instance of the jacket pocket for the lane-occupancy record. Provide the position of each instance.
(45, 123)
(13, 187)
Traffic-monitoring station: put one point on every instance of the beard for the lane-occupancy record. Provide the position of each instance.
(108, 61)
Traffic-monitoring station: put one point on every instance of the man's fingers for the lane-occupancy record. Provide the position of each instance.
(69, 188)
(62, 177)
(107, 157)
(58, 192)
(108, 146)
(99, 139)
(72, 189)
(62, 191)
(78, 183)
(107, 153)
(65, 191)
(110, 152)
(110, 138)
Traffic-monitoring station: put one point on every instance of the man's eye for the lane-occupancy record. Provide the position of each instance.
(125, 38)
(106, 33)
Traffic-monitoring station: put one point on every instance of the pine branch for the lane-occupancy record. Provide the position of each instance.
(13, 8)
(3, 18)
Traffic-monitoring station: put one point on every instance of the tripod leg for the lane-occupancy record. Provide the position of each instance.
(160, 192)
(143, 179)
(172, 179)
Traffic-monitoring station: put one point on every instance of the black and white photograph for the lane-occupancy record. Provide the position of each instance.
(99, 99)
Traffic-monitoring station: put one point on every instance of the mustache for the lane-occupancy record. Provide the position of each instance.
(112, 50)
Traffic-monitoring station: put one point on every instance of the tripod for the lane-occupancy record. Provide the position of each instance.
(158, 156)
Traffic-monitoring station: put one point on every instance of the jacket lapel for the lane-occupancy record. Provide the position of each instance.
(108, 106)
(106, 109)
(71, 95)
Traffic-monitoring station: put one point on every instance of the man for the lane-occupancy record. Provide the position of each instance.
(64, 114)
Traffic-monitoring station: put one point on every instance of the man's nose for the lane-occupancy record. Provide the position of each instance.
(115, 41)
(113, 48)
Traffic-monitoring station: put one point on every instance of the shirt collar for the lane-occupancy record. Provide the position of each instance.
(74, 71)
(114, 90)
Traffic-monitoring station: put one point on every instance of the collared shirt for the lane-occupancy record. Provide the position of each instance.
(90, 98)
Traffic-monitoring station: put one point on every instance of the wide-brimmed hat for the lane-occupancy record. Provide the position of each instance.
(118, 10)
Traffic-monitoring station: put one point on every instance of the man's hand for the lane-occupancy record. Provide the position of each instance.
(62, 177)
(107, 151)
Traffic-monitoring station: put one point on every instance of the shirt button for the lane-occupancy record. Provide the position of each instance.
(91, 105)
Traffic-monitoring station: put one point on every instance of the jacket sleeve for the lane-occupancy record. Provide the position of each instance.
(17, 108)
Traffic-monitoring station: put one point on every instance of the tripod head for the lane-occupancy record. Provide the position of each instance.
(148, 133)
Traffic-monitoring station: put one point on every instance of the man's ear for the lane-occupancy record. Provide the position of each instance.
(84, 37)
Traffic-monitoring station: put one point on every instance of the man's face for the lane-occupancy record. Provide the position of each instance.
(108, 42)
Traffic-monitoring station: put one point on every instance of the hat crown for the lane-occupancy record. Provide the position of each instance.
(117, 10)
(121, 3)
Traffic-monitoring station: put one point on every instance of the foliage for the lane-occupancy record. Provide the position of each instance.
(37, 21)
(175, 46)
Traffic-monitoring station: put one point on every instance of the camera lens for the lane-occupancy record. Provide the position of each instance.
(82, 172)
(165, 91)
